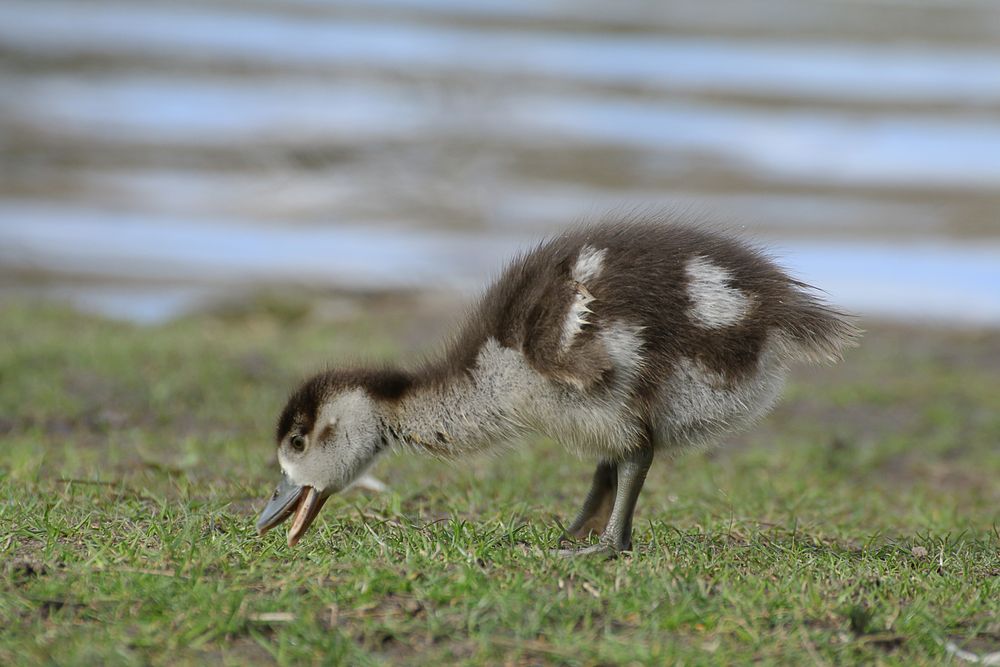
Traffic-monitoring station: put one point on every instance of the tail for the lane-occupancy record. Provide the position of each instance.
(816, 332)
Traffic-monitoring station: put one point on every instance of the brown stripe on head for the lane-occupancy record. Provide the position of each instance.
(305, 403)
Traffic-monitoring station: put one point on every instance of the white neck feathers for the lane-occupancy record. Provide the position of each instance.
(467, 412)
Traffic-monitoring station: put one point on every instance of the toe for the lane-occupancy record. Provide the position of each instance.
(599, 550)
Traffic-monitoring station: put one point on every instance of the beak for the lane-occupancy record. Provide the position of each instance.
(304, 501)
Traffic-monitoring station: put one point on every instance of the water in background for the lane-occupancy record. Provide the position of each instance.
(156, 154)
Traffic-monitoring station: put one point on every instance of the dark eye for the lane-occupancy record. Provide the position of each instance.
(297, 442)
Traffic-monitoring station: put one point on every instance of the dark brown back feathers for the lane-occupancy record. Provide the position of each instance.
(644, 283)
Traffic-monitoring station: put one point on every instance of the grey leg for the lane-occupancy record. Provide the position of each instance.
(596, 510)
(617, 536)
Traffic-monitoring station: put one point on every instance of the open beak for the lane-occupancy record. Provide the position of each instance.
(302, 501)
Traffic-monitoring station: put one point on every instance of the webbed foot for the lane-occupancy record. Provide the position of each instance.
(599, 550)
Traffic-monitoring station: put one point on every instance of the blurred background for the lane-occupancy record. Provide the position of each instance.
(157, 157)
(237, 193)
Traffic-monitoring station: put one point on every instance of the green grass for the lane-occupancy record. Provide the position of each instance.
(857, 524)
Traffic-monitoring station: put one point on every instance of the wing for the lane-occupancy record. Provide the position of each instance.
(562, 331)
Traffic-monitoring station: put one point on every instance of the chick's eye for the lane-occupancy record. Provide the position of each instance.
(297, 442)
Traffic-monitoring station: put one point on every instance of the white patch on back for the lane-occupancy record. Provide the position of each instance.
(589, 264)
(714, 304)
(624, 346)
(576, 318)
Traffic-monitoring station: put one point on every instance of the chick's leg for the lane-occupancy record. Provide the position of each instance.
(631, 477)
(617, 536)
(596, 510)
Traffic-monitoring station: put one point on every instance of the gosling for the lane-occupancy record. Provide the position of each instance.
(620, 340)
